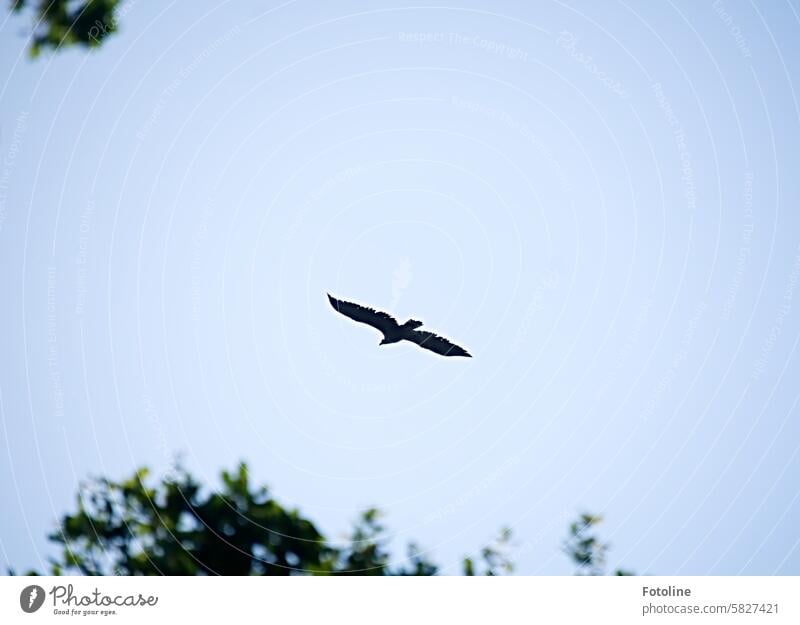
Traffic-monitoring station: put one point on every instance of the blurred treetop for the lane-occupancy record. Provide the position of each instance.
(62, 23)
(174, 526)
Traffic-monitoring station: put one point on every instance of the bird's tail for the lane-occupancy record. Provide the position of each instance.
(412, 324)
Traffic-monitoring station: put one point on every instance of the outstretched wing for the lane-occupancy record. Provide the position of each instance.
(375, 318)
(436, 343)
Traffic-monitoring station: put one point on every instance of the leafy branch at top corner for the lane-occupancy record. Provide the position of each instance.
(60, 24)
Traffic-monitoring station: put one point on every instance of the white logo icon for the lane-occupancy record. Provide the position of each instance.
(31, 598)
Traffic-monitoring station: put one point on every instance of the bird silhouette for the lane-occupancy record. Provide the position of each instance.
(393, 332)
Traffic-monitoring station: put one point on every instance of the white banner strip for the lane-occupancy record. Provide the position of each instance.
(765, 600)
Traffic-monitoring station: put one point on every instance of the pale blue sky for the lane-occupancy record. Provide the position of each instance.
(598, 200)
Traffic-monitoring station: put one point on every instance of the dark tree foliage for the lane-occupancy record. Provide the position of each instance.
(176, 527)
(493, 557)
(62, 23)
(585, 548)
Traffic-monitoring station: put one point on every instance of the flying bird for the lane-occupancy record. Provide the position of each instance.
(393, 332)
